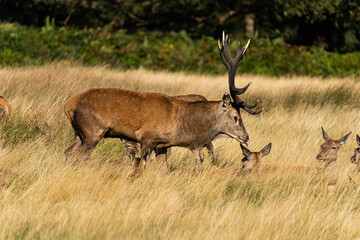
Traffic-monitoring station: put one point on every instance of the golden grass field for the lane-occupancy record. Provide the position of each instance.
(48, 198)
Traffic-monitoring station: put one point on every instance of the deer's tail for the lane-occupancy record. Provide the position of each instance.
(70, 115)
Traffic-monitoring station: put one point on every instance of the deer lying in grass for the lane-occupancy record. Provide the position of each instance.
(5, 110)
(5, 107)
(157, 121)
(354, 175)
(3, 183)
(131, 147)
(328, 155)
(251, 163)
(252, 160)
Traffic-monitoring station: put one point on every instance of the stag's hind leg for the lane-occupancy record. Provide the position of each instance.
(72, 149)
(210, 149)
(199, 155)
(82, 148)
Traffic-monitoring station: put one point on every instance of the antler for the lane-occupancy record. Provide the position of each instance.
(231, 64)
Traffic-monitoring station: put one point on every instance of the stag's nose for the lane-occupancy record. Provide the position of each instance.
(246, 140)
(318, 157)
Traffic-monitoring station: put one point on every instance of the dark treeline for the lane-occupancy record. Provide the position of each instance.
(333, 25)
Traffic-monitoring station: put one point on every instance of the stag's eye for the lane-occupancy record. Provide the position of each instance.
(236, 119)
(333, 147)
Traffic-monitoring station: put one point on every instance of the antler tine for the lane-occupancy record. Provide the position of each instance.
(251, 106)
(240, 91)
(252, 112)
(242, 50)
(233, 63)
(241, 104)
(240, 53)
(223, 58)
(226, 43)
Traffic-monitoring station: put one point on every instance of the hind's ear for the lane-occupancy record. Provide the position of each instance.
(325, 135)
(358, 140)
(245, 151)
(266, 150)
(344, 138)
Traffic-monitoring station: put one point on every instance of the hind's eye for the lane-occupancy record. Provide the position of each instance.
(333, 147)
(236, 119)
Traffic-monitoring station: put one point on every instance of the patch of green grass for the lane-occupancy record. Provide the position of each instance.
(110, 148)
(26, 46)
(15, 131)
(24, 232)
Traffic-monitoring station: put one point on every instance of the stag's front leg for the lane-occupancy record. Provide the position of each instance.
(210, 149)
(199, 155)
(140, 163)
(130, 151)
(162, 155)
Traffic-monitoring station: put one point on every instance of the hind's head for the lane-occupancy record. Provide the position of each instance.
(330, 148)
(356, 157)
(252, 160)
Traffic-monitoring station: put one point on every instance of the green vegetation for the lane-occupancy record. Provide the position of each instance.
(18, 131)
(175, 51)
(333, 25)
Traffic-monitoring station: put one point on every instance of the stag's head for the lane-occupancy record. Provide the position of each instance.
(356, 157)
(252, 160)
(231, 63)
(330, 148)
(231, 122)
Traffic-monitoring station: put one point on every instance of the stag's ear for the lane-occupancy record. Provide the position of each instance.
(266, 150)
(344, 138)
(245, 151)
(358, 140)
(226, 101)
(325, 135)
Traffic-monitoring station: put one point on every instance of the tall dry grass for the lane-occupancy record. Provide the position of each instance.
(48, 198)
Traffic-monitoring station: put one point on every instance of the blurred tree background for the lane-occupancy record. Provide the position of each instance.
(329, 25)
(334, 25)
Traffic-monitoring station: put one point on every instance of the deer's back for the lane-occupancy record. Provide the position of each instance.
(116, 106)
(191, 98)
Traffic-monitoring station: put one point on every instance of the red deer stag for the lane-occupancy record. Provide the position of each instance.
(155, 120)
(5, 107)
(131, 148)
